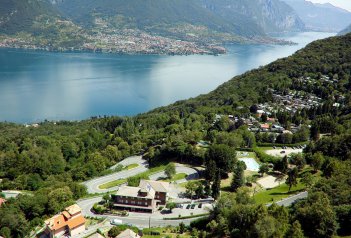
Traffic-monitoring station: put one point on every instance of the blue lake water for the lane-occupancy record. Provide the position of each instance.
(41, 85)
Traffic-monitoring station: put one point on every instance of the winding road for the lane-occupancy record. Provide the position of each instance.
(93, 184)
(138, 219)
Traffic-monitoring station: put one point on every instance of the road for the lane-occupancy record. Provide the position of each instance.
(93, 184)
(141, 220)
(290, 200)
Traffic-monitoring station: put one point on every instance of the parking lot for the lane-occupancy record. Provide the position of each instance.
(282, 151)
(188, 209)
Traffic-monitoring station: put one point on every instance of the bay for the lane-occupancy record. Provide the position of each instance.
(35, 86)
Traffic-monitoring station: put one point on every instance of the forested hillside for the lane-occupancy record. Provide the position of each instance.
(50, 159)
(19, 15)
(155, 15)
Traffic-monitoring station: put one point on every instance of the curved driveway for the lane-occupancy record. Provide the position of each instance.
(93, 184)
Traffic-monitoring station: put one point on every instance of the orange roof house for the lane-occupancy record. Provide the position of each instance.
(2, 201)
(70, 221)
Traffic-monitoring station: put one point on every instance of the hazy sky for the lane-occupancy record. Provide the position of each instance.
(346, 4)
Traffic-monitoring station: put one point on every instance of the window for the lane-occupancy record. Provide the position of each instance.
(145, 203)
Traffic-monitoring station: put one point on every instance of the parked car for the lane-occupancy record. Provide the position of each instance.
(116, 222)
(188, 206)
(200, 205)
(193, 206)
(282, 152)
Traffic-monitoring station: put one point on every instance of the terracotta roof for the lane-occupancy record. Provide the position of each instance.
(75, 222)
(65, 219)
(56, 222)
(128, 234)
(2, 200)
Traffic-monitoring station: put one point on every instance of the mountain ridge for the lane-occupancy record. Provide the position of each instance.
(314, 15)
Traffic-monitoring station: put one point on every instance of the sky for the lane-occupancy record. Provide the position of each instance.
(346, 4)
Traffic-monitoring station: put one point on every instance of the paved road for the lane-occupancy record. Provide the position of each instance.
(93, 185)
(140, 220)
(290, 200)
(192, 174)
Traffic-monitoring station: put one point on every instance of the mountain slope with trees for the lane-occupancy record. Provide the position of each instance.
(19, 15)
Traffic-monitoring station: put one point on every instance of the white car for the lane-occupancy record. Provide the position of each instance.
(116, 222)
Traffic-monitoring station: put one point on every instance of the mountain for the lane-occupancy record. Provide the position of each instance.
(155, 16)
(19, 15)
(160, 26)
(321, 17)
(270, 15)
(345, 31)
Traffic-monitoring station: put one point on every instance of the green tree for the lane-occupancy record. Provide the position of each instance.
(263, 169)
(317, 161)
(308, 179)
(190, 188)
(223, 156)
(216, 186)
(106, 197)
(5, 232)
(316, 215)
(238, 176)
(114, 231)
(295, 231)
(171, 206)
(181, 227)
(292, 178)
(170, 170)
(199, 191)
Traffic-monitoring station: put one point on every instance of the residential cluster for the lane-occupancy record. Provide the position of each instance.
(127, 41)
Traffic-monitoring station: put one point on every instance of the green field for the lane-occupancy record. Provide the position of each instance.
(277, 193)
(112, 184)
(118, 182)
(131, 166)
(176, 177)
(164, 232)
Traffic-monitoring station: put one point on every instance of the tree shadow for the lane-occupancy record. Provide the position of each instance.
(287, 193)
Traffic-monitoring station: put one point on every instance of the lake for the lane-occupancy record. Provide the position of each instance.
(35, 86)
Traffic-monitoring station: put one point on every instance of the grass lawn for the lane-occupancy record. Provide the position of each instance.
(177, 177)
(121, 181)
(225, 183)
(278, 193)
(264, 149)
(112, 184)
(131, 166)
(165, 232)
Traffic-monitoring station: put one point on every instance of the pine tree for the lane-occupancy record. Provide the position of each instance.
(216, 186)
